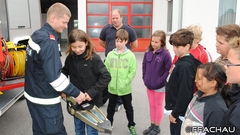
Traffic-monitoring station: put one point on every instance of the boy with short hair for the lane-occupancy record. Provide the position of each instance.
(180, 83)
(197, 50)
(121, 64)
(223, 35)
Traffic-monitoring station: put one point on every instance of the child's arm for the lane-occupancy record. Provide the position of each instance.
(186, 88)
(65, 69)
(102, 75)
(234, 118)
(106, 62)
(167, 65)
(132, 69)
(144, 66)
(214, 118)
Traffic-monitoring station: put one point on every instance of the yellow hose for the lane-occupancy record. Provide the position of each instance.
(19, 60)
(23, 61)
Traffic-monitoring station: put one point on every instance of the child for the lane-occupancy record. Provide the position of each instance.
(121, 64)
(197, 50)
(87, 72)
(223, 35)
(231, 118)
(107, 40)
(155, 67)
(180, 85)
(207, 106)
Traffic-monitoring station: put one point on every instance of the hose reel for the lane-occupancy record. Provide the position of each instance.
(14, 59)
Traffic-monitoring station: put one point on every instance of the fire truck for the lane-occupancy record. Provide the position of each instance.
(18, 20)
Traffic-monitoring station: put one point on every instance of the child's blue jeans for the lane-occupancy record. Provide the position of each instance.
(81, 128)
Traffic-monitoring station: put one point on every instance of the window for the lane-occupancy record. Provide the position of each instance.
(141, 8)
(136, 13)
(143, 32)
(227, 12)
(94, 32)
(142, 0)
(120, 0)
(75, 24)
(169, 16)
(102, 8)
(96, 19)
(141, 21)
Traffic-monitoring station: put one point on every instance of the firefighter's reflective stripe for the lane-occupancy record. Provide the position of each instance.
(59, 47)
(60, 83)
(33, 45)
(42, 101)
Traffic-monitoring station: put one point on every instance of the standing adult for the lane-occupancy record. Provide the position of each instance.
(43, 78)
(107, 40)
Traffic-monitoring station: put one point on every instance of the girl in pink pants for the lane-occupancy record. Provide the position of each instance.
(155, 68)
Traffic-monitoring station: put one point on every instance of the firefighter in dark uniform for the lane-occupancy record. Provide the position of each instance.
(44, 81)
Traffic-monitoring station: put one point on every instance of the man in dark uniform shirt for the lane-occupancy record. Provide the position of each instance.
(43, 78)
(107, 41)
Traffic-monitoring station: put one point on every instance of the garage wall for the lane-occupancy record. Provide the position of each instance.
(204, 13)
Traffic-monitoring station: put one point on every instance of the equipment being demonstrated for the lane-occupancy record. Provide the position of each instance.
(89, 114)
(18, 20)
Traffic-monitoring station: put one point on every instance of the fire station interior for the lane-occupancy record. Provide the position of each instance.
(71, 4)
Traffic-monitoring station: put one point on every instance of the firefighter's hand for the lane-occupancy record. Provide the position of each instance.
(88, 98)
(63, 96)
(81, 97)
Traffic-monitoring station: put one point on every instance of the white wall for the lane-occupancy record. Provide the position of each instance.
(82, 15)
(204, 13)
(238, 13)
(160, 19)
(159, 16)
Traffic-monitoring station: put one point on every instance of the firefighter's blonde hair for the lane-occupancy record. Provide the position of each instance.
(59, 10)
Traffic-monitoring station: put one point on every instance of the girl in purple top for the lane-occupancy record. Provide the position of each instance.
(155, 67)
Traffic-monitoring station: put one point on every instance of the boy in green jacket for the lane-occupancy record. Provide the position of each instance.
(121, 64)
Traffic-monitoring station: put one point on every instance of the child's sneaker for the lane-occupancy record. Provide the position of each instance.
(132, 130)
(155, 131)
(145, 132)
